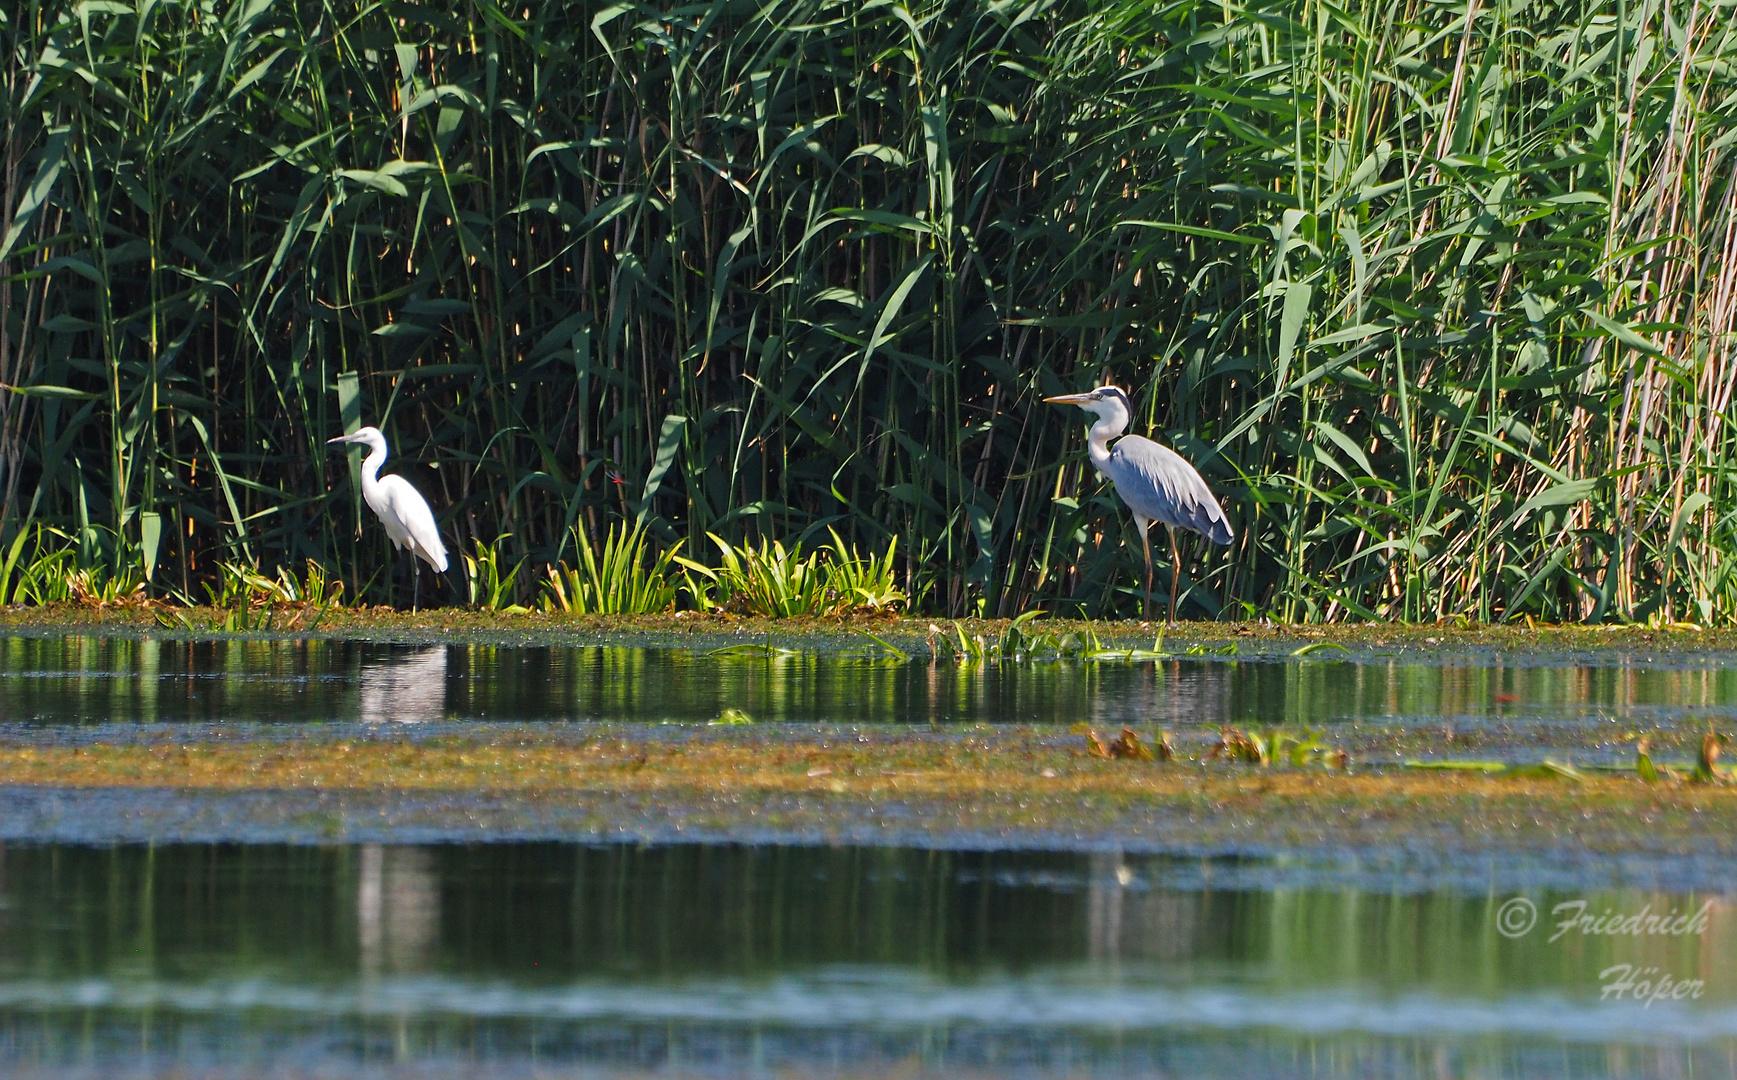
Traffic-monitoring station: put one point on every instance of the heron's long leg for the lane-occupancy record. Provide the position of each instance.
(415, 579)
(1175, 572)
(1145, 527)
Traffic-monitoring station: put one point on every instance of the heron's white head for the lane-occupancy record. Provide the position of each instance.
(366, 436)
(1106, 402)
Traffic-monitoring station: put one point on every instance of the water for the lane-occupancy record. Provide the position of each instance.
(729, 960)
(557, 959)
(86, 681)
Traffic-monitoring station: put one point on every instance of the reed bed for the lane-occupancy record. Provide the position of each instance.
(1439, 296)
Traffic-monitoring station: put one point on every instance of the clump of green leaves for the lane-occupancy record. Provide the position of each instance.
(772, 580)
(1296, 748)
(314, 586)
(1707, 767)
(1018, 642)
(238, 584)
(34, 572)
(626, 577)
(491, 583)
(43, 565)
(765, 580)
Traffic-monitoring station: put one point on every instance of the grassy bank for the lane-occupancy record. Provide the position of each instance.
(921, 637)
(1437, 295)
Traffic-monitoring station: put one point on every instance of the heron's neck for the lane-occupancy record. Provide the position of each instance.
(1098, 439)
(371, 465)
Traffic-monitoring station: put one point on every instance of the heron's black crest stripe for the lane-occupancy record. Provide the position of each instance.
(1117, 391)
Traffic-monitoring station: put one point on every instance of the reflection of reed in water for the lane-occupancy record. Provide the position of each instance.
(408, 690)
(397, 908)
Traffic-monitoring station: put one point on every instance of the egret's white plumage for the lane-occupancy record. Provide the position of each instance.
(400, 507)
(1155, 482)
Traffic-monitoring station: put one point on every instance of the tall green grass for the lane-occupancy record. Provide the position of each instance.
(1439, 296)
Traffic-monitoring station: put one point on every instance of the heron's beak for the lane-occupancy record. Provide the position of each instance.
(1069, 399)
(341, 439)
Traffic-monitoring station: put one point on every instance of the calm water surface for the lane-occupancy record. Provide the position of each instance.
(722, 960)
(557, 960)
(98, 681)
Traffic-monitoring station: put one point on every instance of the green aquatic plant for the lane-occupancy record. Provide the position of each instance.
(1163, 748)
(886, 648)
(240, 584)
(625, 577)
(1547, 769)
(755, 648)
(731, 717)
(1015, 642)
(769, 579)
(1237, 745)
(1019, 643)
(1201, 648)
(100, 587)
(1643, 761)
(315, 585)
(491, 585)
(766, 579)
(1707, 767)
(863, 583)
(1295, 748)
(1314, 647)
(957, 645)
(1300, 748)
(36, 571)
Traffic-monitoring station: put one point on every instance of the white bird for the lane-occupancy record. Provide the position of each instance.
(1153, 480)
(399, 506)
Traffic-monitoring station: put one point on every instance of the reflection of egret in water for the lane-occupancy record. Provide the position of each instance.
(1130, 915)
(1110, 877)
(397, 908)
(397, 922)
(407, 689)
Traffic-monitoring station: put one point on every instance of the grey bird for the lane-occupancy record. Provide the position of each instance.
(1153, 480)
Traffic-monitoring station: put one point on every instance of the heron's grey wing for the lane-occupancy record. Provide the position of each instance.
(1156, 483)
(411, 511)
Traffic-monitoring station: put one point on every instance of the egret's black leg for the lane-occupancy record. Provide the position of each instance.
(416, 581)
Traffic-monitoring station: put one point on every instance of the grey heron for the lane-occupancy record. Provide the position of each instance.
(399, 506)
(1153, 480)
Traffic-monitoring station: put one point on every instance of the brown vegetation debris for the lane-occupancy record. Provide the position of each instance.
(1237, 745)
(1128, 745)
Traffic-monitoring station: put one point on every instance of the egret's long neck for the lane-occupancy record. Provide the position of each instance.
(1098, 439)
(371, 465)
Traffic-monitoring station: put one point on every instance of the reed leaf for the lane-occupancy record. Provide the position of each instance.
(1438, 297)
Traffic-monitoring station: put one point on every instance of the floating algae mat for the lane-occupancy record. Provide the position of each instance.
(335, 859)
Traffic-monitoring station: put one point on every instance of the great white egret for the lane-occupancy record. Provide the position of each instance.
(1153, 480)
(399, 506)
